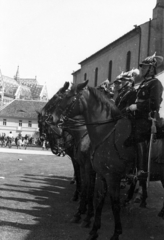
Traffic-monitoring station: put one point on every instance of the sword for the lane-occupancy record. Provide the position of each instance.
(153, 131)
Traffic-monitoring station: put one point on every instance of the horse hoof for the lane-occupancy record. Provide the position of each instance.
(137, 199)
(161, 215)
(74, 198)
(93, 236)
(85, 224)
(72, 181)
(143, 205)
(115, 237)
(75, 219)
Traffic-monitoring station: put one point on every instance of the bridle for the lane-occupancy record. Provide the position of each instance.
(66, 121)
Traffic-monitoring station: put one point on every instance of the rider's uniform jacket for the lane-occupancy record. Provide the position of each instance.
(126, 97)
(149, 97)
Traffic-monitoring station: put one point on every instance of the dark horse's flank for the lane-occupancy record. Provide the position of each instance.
(108, 130)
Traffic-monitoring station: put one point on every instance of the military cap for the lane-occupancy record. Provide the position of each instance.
(153, 60)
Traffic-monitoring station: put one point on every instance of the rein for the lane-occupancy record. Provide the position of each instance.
(69, 122)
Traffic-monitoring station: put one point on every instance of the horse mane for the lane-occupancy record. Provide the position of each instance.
(50, 103)
(105, 102)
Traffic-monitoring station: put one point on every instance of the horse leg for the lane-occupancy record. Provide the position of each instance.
(83, 201)
(143, 194)
(114, 190)
(91, 175)
(100, 194)
(76, 167)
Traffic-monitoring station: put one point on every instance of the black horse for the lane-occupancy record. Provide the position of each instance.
(43, 118)
(108, 129)
(59, 139)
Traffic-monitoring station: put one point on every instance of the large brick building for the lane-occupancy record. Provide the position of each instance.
(126, 52)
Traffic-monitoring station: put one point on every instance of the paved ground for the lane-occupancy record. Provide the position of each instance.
(32, 192)
(35, 203)
(26, 151)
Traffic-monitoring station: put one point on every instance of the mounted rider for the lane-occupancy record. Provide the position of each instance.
(106, 87)
(124, 88)
(147, 102)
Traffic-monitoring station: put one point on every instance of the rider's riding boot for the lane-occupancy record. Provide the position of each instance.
(142, 161)
(129, 141)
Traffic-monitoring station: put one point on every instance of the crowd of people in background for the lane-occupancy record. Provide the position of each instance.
(20, 141)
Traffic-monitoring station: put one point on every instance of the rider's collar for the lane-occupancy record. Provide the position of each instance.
(148, 78)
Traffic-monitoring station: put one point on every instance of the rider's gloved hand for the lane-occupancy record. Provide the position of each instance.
(132, 107)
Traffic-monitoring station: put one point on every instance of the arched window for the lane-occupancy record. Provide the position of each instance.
(110, 71)
(128, 59)
(85, 77)
(96, 76)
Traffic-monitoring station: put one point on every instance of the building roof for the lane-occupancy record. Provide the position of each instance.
(113, 44)
(36, 91)
(10, 89)
(10, 80)
(30, 89)
(28, 81)
(25, 93)
(23, 109)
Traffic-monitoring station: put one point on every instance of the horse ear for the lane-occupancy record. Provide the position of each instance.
(66, 85)
(64, 88)
(81, 86)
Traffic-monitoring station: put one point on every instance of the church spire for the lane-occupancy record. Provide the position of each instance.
(17, 75)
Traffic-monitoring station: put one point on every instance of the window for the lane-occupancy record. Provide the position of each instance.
(29, 123)
(96, 76)
(4, 122)
(85, 77)
(110, 71)
(20, 123)
(128, 59)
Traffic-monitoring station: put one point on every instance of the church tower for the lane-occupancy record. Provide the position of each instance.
(1, 89)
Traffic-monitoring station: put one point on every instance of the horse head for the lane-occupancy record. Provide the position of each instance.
(69, 105)
(82, 99)
(45, 121)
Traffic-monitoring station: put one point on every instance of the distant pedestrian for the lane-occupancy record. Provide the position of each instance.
(9, 140)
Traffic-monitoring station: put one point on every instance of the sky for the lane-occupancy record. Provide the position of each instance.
(48, 38)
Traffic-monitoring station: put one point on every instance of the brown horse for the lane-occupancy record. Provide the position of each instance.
(108, 130)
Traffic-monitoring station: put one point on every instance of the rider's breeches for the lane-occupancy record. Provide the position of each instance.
(142, 130)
